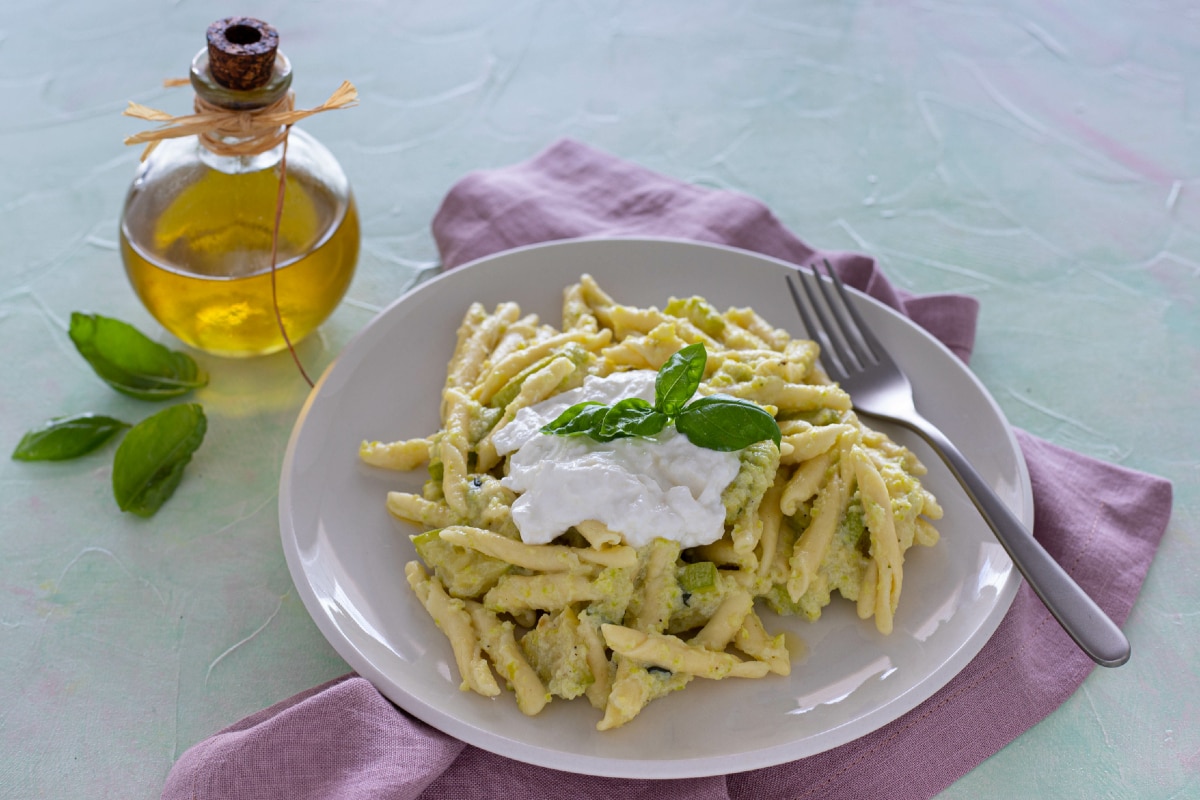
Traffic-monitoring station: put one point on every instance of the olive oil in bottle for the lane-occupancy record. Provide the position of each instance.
(199, 220)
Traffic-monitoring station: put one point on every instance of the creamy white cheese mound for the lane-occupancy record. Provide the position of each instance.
(644, 489)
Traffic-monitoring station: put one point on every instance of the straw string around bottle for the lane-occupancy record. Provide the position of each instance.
(232, 132)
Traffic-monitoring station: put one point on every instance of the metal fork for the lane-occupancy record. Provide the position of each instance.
(854, 357)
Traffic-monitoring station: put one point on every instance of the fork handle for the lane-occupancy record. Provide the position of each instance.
(1080, 617)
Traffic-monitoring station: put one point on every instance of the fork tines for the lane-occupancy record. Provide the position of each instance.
(831, 320)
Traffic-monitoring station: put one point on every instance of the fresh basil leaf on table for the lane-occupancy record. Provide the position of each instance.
(132, 363)
(151, 458)
(64, 438)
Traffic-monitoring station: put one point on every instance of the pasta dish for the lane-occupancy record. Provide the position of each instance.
(591, 529)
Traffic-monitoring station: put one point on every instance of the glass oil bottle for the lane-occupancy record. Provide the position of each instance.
(198, 226)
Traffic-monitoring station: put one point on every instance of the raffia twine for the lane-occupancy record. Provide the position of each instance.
(229, 132)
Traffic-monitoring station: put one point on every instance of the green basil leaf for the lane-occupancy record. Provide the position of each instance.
(631, 417)
(721, 422)
(579, 418)
(65, 438)
(679, 378)
(130, 362)
(149, 462)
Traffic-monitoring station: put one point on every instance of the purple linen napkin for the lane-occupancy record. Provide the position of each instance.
(1102, 522)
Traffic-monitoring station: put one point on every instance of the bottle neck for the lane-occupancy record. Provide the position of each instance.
(239, 143)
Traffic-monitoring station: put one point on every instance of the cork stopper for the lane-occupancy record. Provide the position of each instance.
(241, 52)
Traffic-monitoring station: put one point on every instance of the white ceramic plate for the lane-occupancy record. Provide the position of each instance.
(346, 554)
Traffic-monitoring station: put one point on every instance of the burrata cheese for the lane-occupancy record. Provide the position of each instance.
(644, 489)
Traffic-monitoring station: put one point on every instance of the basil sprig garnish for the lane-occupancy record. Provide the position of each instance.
(131, 362)
(149, 462)
(716, 422)
(64, 438)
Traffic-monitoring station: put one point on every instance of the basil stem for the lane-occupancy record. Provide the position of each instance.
(64, 438)
(149, 462)
(130, 362)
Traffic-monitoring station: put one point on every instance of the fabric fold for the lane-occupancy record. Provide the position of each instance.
(571, 190)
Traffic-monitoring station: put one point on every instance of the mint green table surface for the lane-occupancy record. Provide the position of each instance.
(1042, 156)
